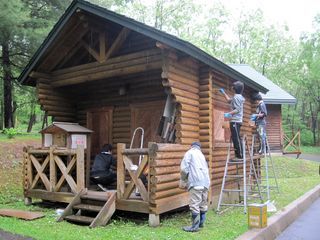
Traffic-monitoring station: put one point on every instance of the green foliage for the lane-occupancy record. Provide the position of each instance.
(10, 132)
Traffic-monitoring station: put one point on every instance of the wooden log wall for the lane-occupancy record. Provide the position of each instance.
(181, 78)
(220, 148)
(165, 193)
(55, 103)
(274, 127)
(206, 113)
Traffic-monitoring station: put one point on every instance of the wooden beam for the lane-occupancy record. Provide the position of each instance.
(121, 71)
(65, 46)
(122, 36)
(90, 50)
(102, 48)
(35, 74)
(51, 196)
(40, 168)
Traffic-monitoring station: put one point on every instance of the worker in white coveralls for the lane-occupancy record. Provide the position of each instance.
(195, 177)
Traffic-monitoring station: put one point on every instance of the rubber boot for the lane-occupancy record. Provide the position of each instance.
(202, 219)
(195, 223)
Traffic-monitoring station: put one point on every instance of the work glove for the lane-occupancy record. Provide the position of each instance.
(222, 91)
(253, 117)
(227, 115)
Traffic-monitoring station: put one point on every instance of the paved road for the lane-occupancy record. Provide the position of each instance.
(9, 236)
(306, 227)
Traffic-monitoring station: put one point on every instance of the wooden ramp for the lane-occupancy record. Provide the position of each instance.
(91, 208)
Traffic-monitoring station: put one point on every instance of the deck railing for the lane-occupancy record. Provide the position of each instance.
(125, 165)
(54, 169)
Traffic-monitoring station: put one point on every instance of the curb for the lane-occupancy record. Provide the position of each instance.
(283, 218)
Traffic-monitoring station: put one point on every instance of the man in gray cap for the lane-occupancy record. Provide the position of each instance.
(195, 173)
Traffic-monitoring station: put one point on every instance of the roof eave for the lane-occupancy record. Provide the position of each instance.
(282, 101)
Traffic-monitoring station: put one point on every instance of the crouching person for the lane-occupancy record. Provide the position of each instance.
(195, 177)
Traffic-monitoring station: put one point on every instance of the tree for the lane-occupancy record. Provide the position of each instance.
(12, 19)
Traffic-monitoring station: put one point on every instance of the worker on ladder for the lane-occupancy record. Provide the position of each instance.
(235, 115)
(260, 120)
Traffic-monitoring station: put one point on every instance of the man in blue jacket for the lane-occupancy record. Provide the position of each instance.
(195, 173)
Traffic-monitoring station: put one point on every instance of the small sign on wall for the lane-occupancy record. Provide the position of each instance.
(78, 139)
(47, 140)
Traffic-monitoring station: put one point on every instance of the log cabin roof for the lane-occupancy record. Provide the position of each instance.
(275, 95)
(165, 38)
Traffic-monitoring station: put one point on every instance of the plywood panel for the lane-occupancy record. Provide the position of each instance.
(147, 116)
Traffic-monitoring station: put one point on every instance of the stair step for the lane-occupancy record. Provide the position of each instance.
(80, 219)
(88, 207)
(100, 197)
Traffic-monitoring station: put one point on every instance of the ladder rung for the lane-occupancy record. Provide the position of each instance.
(235, 162)
(234, 176)
(230, 204)
(232, 190)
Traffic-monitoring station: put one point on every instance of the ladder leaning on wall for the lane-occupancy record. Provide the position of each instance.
(236, 171)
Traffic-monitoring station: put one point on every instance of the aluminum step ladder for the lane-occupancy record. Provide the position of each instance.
(141, 146)
(267, 171)
(241, 178)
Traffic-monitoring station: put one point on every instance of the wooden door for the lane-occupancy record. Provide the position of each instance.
(99, 120)
(147, 116)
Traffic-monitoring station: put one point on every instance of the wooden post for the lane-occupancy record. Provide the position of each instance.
(88, 161)
(53, 169)
(102, 48)
(120, 171)
(29, 169)
(80, 168)
(154, 220)
(26, 180)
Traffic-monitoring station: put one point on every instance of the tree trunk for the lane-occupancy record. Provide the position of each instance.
(32, 118)
(1, 113)
(7, 86)
(313, 125)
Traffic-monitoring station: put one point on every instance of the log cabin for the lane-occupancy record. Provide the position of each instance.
(112, 74)
(274, 99)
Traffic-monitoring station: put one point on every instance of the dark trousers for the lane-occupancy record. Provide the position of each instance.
(235, 136)
(105, 178)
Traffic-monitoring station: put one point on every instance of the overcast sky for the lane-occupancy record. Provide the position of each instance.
(297, 14)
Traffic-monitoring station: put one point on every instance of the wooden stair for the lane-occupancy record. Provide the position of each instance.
(91, 208)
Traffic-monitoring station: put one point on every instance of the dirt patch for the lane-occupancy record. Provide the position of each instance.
(11, 161)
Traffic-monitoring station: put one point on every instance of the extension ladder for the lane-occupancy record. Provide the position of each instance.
(240, 177)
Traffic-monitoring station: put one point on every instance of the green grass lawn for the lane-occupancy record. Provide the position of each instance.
(20, 137)
(310, 149)
(296, 177)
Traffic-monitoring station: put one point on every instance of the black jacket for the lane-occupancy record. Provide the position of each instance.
(102, 164)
